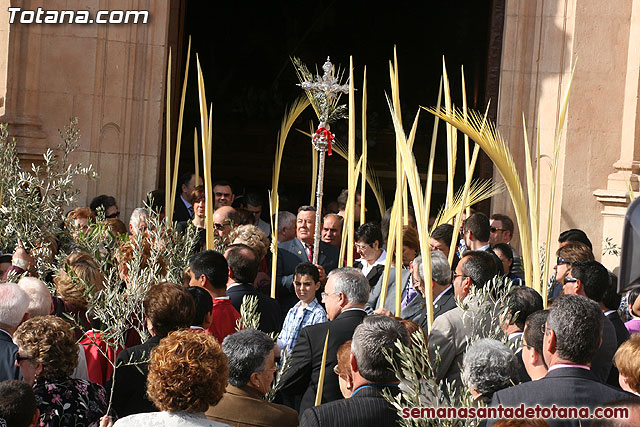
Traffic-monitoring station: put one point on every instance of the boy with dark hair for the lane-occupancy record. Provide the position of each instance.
(209, 270)
(307, 311)
(17, 404)
(204, 308)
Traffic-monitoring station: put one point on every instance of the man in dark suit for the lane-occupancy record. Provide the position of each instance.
(183, 208)
(610, 304)
(167, 307)
(344, 297)
(442, 290)
(572, 337)
(243, 269)
(591, 279)
(371, 374)
(477, 232)
(298, 250)
(14, 303)
(521, 302)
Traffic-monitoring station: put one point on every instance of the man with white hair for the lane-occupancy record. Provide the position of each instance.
(442, 290)
(13, 311)
(40, 303)
(138, 220)
(286, 226)
(344, 296)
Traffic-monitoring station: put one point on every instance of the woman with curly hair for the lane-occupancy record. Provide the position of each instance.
(187, 374)
(257, 240)
(47, 355)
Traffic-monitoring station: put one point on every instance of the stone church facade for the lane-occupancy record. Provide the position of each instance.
(113, 78)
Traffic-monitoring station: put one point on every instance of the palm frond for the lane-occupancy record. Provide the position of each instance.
(493, 144)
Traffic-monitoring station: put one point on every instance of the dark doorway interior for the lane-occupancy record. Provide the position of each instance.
(245, 50)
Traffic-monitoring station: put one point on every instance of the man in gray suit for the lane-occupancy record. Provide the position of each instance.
(298, 250)
(449, 333)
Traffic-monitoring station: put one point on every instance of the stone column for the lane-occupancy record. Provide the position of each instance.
(542, 41)
(616, 197)
(111, 76)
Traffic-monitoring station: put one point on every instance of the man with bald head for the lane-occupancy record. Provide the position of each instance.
(332, 229)
(224, 220)
(301, 249)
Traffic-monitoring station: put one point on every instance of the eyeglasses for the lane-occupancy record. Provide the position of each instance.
(361, 247)
(494, 229)
(20, 359)
(324, 295)
(561, 260)
(113, 215)
(458, 275)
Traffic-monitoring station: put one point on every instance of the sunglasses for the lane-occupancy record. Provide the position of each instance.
(20, 359)
(113, 215)
(494, 229)
(561, 260)
(570, 280)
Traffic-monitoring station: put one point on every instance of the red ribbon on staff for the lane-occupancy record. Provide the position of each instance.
(326, 135)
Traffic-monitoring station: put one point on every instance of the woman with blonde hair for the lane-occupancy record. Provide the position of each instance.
(187, 375)
(78, 279)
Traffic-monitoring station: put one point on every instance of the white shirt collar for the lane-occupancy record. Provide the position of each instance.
(366, 268)
(514, 335)
(441, 293)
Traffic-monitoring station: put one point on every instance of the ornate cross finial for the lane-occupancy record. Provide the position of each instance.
(327, 83)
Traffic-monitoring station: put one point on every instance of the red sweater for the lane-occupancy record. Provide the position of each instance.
(223, 319)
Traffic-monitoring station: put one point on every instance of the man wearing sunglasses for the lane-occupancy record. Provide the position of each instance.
(108, 203)
(501, 231)
(567, 254)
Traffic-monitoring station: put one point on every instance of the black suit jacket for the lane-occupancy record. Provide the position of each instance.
(130, 385)
(603, 360)
(622, 334)
(292, 253)
(446, 302)
(8, 352)
(301, 378)
(180, 211)
(568, 387)
(366, 408)
(374, 274)
(270, 317)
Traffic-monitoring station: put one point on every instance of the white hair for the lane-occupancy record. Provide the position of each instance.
(285, 219)
(39, 296)
(136, 216)
(13, 305)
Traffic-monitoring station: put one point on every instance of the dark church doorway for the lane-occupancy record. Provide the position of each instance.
(245, 49)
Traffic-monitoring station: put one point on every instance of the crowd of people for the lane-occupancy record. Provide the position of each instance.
(328, 327)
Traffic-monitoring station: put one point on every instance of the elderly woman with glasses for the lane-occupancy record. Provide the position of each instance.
(47, 355)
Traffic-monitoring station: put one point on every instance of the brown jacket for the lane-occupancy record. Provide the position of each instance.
(244, 407)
